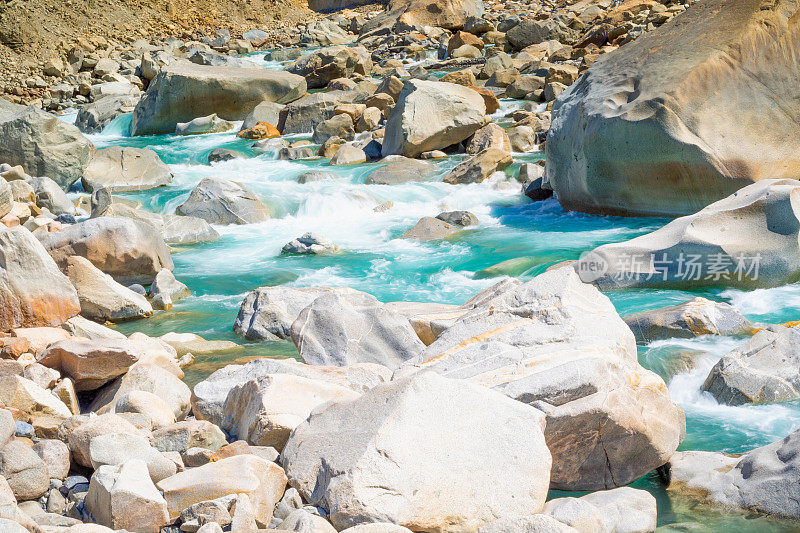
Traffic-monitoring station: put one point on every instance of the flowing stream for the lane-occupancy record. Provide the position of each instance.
(377, 261)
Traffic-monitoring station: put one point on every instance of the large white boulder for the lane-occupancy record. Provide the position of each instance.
(749, 239)
(424, 452)
(125, 168)
(221, 201)
(558, 344)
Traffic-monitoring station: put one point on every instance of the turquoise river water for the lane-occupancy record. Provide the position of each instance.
(377, 261)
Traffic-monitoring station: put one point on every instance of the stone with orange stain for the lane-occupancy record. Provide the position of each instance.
(238, 447)
(262, 130)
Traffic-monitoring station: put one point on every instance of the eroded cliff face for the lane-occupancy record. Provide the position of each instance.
(683, 116)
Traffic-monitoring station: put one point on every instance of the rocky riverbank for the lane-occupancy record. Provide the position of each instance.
(390, 416)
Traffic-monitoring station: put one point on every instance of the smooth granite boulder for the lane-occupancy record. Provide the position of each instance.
(221, 201)
(381, 457)
(184, 91)
(674, 121)
(125, 168)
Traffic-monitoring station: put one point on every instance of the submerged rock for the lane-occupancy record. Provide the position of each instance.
(749, 239)
(183, 91)
(431, 229)
(696, 317)
(400, 170)
(673, 121)
(209, 124)
(367, 459)
(310, 243)
(621, 509)
(221, 201)
(766, 368)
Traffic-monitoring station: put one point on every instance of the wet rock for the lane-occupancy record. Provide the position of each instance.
(742, 241)
(310, 243)
(121, 169)
(480, 166)
(183, 91)
(209, 124)
(42, 144)
(458, 218)
(165, 285)
(126, 249)
(101, 297)
(218, 155)
(362, 481)
(315, 175)
(341, 329)
(430, 229)
(760, 480)
(400, 169)
(430, 116)
(95, 116)
(220, 201)
(696, 317)
(265, 410)
(34, 291)
(763, 369)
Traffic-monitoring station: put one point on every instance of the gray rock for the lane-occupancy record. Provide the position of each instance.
(183, 91)
(124, 168)
(348, 154)
(55, 455)
(181, 436)
(326, 64)
(165, 285)
(268, 112)
(128, 250)
(26, 473)
(529, 32)
(95, 116)
(458, 218)
(761, 480)
(766, 368)
(303, 115)
(430, 229)
(696, 317)
(675, 166)
(218, 155)
(315, 175)
(431, 116)
(480, 166)
(118, 448)
(538, 523)
(101, 297)
(42, 144)
(50, 195)
(267, 313)
(366, 459)
(341, 329)
(215, 59)
(221, 201)
(621, 509)
(200, 125)
(310, 243)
